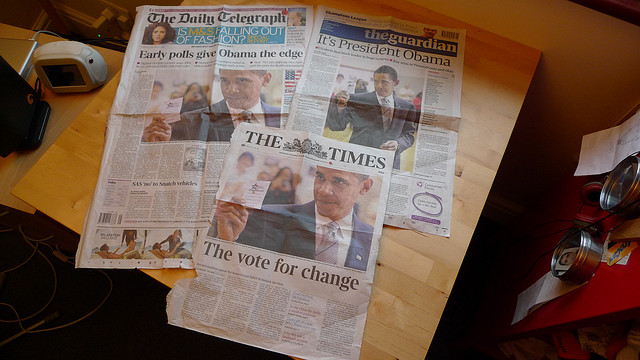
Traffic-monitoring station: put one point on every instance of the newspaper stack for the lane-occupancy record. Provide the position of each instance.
(266, 148)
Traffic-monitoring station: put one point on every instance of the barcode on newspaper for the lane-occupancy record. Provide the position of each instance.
(449, 34)
(110, 218)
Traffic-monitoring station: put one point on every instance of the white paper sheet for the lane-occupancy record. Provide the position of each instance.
(603, 150)
(542, 291)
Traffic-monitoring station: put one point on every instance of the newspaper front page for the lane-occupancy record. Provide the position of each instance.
(288, 263)
(189, 76)
(390, 84)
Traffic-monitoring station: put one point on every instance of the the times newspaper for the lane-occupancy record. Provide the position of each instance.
(354, 64)
(188, 73)
(287, 264)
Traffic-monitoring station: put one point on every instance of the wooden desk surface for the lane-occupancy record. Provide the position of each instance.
(64, 109)
(415, 272)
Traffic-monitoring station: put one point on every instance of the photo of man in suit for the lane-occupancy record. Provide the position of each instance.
(378, 119)
(241, 91)
(326, 229)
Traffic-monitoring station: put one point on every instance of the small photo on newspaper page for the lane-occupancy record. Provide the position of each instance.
(293, 240)
(208, 106)
(395, 85)
(155, 248)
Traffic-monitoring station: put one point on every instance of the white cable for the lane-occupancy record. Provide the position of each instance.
(46, 32)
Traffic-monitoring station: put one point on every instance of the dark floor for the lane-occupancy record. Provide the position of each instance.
(131, 324)
(132, 321)
(450, 341)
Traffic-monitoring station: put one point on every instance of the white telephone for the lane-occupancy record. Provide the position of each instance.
(69, 66)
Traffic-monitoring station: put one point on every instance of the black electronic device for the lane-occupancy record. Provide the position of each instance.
(23, 116)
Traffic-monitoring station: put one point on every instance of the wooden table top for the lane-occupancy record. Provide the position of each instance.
(64, 109)
(415, 272)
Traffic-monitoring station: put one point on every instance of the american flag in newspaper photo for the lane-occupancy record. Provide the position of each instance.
(291, 78)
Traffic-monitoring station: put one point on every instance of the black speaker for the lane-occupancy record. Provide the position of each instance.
(23, 116)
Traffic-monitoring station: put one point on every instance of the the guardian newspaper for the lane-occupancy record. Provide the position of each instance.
(287, 264)
(389, 84)
(189, 76)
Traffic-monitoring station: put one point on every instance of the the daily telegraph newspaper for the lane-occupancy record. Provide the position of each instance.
(288, 263)
(390, 84)
(189, 75)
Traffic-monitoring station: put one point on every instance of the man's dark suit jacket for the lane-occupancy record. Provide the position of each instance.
(215, 123)
(364, 114)
(290, 229)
